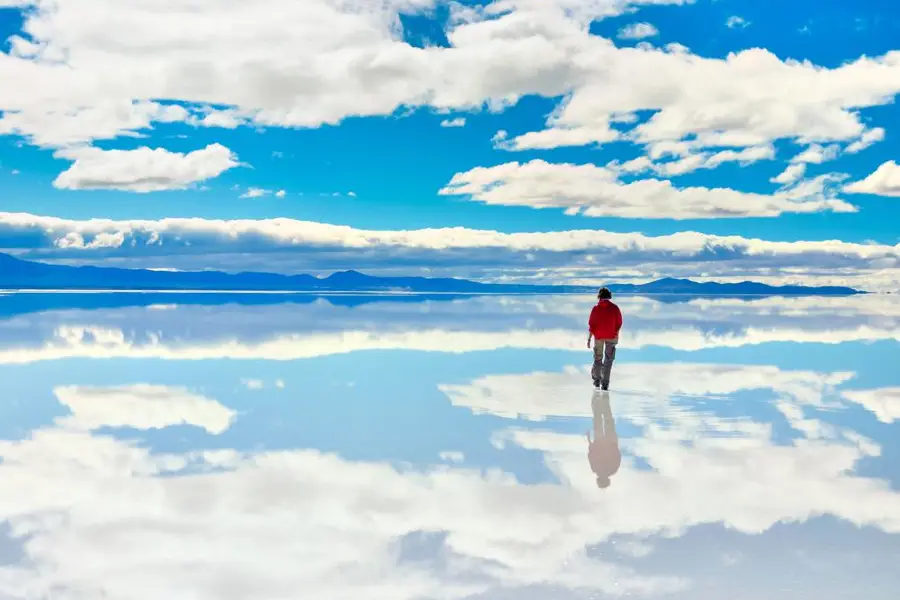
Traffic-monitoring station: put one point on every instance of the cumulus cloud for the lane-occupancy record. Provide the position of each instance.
(142, 170)
(226, 119)
(317, 62)
(885, 181)
(279, 244)
(638, 31)
(737, 22)
(745, 100)
(598, 192)
(56, 125)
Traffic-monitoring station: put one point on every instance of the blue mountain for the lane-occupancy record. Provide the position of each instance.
(711, 288)
(17, 274)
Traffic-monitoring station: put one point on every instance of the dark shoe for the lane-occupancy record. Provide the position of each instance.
(605, 387)
(596, 383)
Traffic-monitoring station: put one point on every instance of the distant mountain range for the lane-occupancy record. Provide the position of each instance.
(16, 274)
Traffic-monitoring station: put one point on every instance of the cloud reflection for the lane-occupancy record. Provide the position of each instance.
(295, 330)
(268, 523)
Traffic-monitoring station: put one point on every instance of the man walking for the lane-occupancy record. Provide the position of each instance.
(603, 327)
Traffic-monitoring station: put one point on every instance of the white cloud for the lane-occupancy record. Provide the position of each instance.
(750, 98)
(255, 193)
(15, 171)
(817, 154)
(871, 137)
(454, 457)
(638, 31)
(885, 181)
(140, 406)
(597, 192)
(457, 122)
(253, 384)
(711, 160)
(58, 125)
(793, 173)
(735, 22)
(226, 119)
(316, 62)
(884, 403)
(686, 159)
(142, 170)
(266, 244)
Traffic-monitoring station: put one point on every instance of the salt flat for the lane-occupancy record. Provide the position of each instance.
(405, 448)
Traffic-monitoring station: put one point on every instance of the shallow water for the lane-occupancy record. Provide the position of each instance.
(200, 447)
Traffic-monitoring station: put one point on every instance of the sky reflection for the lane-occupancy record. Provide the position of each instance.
(286, 328)
(438, 449)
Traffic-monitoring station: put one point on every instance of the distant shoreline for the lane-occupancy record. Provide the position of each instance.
(9, 291)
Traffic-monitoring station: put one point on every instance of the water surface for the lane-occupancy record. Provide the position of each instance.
(201, 447)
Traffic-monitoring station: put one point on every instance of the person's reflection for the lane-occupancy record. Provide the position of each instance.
(603, 451)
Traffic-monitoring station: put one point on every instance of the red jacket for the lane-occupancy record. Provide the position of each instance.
(605, 321)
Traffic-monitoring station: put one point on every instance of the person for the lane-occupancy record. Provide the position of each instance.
(603, 451)
(604, 326)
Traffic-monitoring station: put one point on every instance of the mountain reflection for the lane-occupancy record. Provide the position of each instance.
(274, 328)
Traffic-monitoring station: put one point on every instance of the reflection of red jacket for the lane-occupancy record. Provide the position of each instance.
(605, 321)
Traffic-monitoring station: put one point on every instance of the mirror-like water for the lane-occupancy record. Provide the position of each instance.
(199, 447)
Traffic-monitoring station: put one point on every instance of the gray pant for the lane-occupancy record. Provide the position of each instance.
(604, 355)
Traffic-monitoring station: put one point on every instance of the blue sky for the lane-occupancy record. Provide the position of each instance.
(750, 124)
